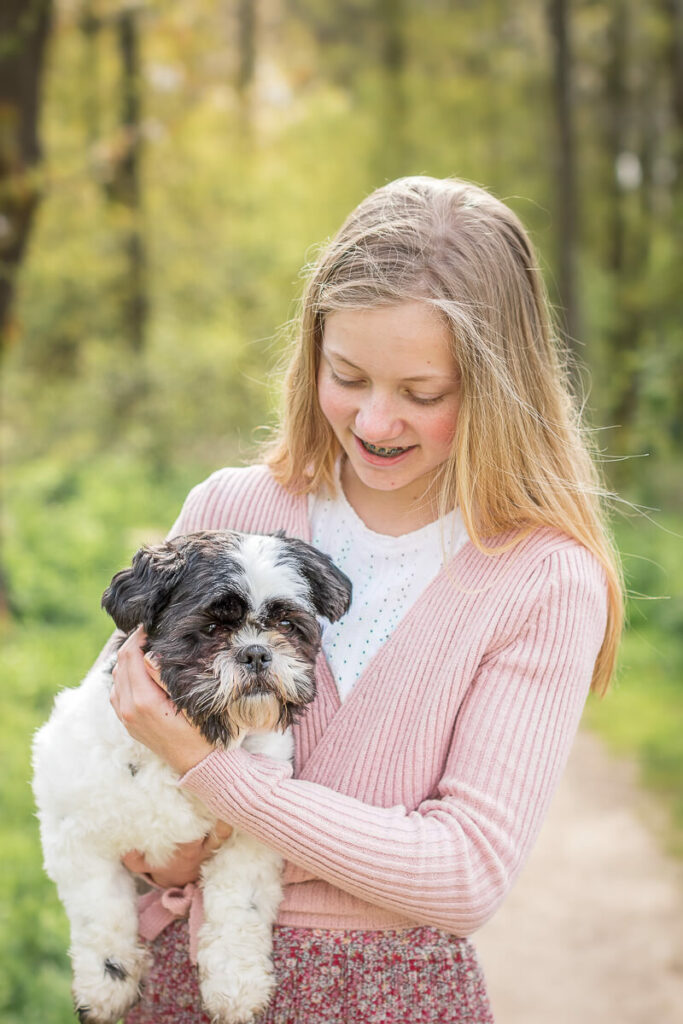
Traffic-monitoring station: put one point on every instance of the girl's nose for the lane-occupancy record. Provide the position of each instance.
(377, 419)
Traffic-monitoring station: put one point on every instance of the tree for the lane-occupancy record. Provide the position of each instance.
(246, 23)
(391, 16)
(24, 30)
(567, 203)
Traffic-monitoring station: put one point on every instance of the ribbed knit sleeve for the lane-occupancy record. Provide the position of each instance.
(449, 862)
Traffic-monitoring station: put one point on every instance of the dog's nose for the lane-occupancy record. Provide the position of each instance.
(254, 657)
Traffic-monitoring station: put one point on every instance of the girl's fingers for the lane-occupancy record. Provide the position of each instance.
(133, 676)
(142, 704)
(217, 836)
(184, 864)
(132, 644)
(135, 862)
(154, 669)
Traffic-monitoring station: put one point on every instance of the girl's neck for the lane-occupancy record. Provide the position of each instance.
(390, 512)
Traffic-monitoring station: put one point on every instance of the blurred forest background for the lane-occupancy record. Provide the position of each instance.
(166, 168)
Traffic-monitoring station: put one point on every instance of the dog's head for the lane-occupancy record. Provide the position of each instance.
(232, 618)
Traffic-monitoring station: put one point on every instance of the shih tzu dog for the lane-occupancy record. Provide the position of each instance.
(232, 620)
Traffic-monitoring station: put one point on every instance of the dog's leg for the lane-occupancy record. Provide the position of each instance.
(242, 891)
(108, 961)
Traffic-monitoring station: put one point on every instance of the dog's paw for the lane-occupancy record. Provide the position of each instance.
(105, 988)
(236, 999)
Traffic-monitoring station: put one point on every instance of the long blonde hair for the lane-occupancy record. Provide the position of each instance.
(519, 459)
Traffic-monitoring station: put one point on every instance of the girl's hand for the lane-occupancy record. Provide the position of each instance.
(140, 701)
(185, 864)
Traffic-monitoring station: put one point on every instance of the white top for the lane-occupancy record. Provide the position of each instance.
(388, 575)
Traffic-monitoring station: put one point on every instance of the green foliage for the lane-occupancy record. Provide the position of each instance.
(101, 443)
(643, 715)
(652, 554)
(69, 529)
(643, 712)
(35, 976)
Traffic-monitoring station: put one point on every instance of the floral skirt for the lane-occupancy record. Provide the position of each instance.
(414, 976)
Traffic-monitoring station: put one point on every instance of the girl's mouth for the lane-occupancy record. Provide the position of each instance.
(380, 452)
(386, 452)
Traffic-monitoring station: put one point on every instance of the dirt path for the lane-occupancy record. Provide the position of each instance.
(592, 932)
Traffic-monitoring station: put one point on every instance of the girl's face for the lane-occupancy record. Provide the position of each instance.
(389, 388)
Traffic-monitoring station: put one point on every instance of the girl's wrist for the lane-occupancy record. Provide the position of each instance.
(185, 757)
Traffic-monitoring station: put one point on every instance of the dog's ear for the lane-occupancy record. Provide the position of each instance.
(137, 595)
(330, 588)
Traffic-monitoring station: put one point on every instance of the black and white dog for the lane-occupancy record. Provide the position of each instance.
(232, 619)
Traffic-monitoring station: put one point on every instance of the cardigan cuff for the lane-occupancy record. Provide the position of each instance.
(229, 781)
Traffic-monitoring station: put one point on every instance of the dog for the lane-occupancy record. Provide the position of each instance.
(232, 618)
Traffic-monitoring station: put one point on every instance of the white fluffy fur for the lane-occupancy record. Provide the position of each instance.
(92, 810)
(264, 576)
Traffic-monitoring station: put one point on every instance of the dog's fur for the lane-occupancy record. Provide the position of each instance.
(232, 619)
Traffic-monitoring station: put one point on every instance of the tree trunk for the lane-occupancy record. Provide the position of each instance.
(675, 60)
(126, 184)
(122, 184)
(392, 155)
(567, 201)
(246, 57)
(90, 25)
(616, 119)
(24, 29)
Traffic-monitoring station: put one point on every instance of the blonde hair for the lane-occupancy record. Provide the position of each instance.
(519, 458)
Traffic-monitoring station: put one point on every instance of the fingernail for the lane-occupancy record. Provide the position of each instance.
(152, 660)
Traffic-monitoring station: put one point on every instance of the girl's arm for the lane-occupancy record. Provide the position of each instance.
(449, 862)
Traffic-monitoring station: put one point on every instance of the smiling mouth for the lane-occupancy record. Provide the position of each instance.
(386, 453)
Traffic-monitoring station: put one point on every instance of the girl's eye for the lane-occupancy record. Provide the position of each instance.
(347, 382)
(426, 401)
(344, 381)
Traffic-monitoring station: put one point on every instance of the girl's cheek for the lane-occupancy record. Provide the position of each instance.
(441, 427)
(333, 402)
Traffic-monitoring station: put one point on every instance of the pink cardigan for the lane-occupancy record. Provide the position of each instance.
(419, 798)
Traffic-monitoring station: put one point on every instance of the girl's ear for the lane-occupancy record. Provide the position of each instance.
(330, 588)
(137, 595)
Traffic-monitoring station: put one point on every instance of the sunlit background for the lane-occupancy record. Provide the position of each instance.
(168, 168)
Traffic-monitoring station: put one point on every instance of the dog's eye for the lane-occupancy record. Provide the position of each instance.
(229, 611)
(286, 624)
(211, 628)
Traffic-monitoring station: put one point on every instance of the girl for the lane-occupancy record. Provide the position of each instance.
(429, 444)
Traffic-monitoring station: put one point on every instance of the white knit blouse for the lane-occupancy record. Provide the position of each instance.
(388, 575)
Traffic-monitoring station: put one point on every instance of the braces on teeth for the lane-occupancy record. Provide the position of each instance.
(374, 450)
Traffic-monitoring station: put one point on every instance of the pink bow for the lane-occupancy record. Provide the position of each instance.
(158, 908)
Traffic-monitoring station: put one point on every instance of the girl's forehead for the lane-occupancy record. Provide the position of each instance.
(410, 337)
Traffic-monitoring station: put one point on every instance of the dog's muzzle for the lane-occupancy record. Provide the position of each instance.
(255, 658)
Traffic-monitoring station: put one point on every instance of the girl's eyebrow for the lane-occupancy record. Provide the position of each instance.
(413, 379)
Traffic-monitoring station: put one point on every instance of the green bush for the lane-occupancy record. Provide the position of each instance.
(68, 529)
